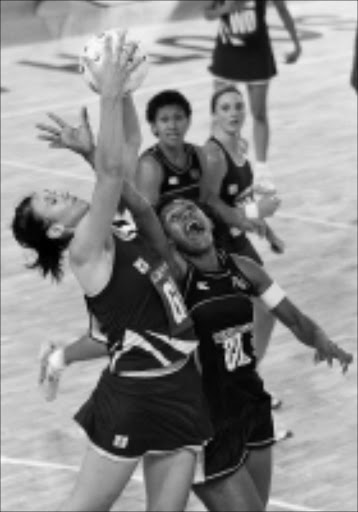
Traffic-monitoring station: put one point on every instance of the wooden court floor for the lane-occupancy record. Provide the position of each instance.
(313, 113)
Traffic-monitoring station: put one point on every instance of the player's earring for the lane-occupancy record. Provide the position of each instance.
(55, 230)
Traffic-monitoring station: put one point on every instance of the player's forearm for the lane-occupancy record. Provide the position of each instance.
(303, 327)
(234, 217)
(288, 22)
(83, 349)
(307, 332)
(139, 207)
(110, 145)
(131, 122)
(146, 219)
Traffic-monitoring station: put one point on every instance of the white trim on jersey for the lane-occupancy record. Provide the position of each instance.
(186, 347)
(273, 296)
(132, 339)
(214, 299)
(179, 190)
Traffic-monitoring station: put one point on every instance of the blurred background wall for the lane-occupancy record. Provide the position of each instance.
(26, 21)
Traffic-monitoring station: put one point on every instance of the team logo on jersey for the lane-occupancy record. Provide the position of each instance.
(173, 180)
(201, 285)
(120, 441)
(141, 265)
(239, 282)
(233, 189)
(195, 174)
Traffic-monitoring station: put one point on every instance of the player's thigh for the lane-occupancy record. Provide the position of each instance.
(168, 478)
(259, 466)
(235, 492)
(221, 83)
(258, 94)
(100, 481)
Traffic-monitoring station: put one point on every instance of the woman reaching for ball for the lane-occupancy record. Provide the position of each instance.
(148, 402)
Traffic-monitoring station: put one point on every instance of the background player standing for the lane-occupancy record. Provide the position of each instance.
(243, 53)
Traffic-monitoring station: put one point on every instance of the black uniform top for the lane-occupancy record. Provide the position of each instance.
(243, 49)
(237, 185)
(222, 312)
(141, 311)
(246, 27)
(178, 182)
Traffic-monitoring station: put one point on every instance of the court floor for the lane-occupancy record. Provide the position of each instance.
(313, 112)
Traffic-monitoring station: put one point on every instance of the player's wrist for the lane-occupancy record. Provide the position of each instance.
(57, 360)
(252, 210)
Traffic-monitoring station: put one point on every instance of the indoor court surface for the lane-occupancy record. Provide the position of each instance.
(313, 156)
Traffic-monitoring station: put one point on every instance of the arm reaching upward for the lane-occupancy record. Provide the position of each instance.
(92, 247)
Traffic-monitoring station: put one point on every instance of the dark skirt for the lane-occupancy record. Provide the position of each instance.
(128, 417)
(243, 422)
(241, 64)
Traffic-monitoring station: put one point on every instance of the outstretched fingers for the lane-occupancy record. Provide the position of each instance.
(49, 130)
(118, 45)
(84, 118)
(335, 352)
(60, 122)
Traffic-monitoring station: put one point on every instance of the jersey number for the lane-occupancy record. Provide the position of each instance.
(175, 301)
(234, 353)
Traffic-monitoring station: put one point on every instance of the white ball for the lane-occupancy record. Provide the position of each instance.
(94, 50)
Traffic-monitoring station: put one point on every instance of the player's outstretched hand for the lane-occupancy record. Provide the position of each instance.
(327, 350)
(267, 205)
(292, 57)
(120, 59)
(51, 366)
(277, 245)
(78, 139)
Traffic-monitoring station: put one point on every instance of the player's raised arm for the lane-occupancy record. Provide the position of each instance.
(113, 159)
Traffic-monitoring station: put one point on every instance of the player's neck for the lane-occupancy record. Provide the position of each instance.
(207, 262)
(175, 154)
(229, 140)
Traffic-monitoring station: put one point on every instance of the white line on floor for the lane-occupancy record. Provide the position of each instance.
(66, 467)
(88, 177)
(53, 107)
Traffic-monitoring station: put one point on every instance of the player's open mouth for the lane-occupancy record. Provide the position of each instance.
(194, 227)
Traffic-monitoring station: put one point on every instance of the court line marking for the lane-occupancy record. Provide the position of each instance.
(143, 90)
(138, 478)
(94, 98)
(289, 216)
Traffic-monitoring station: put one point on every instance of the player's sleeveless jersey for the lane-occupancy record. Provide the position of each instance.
(222, 313)
(236, 188)
(243, 50)
(237, 185)
(141, 311)
(178, 182)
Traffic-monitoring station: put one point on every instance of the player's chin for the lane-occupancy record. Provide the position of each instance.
(199, 244)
